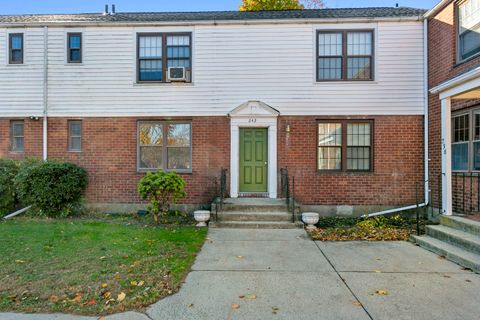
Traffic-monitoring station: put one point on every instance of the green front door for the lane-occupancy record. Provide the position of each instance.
(253, 160)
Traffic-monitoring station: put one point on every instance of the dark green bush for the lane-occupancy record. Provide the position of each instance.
(53, 188)
(162, 189)
(8, 199)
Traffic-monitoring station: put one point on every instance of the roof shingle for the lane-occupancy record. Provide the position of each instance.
(151, 17)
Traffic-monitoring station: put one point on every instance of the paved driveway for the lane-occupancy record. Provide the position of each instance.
(281, 274)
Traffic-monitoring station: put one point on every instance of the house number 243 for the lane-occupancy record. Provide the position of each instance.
(252, 120)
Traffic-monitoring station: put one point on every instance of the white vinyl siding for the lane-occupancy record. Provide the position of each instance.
(231, 64)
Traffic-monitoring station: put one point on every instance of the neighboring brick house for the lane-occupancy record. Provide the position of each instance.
(335, 95)
(454, 83)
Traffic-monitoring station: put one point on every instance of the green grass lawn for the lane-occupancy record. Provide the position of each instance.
(86, 266)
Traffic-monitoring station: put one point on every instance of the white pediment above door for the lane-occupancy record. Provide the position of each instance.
(254, 108)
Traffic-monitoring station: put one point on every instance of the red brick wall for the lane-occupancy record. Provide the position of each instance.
(442, 66)
(398, 164)
(109, 154)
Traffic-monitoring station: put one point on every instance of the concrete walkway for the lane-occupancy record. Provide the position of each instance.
(281, 274)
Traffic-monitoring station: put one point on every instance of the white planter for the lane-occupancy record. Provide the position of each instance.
(310, 219)
(201, 216)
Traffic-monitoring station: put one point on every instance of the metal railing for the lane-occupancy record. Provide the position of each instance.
(465, 192)
(222, 191)
(285, 185)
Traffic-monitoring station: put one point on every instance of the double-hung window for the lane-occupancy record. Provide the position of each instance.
(75, 135)
(466, 140)
(74, 47)
(164, 145)
(157, 52)
(17, 138)
(15, 48)
(344, 55)
(468, 29)
(345, 145)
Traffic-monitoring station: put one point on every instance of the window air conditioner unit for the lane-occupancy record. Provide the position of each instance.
(176, 74)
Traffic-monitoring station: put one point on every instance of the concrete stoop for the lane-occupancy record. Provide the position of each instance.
(456, 238)
(256, 213)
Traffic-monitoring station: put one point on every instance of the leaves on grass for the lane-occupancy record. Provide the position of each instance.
(121, 297)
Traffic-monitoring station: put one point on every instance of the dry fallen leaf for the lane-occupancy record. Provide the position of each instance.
(377, 271)
(381, 292)
(53, 298)
(104, 285)
(77, 298)
(240, 257)
(250, 296)
(134, 283)
(235, 306)
(468, 280)
(121, 297)
(141, 283)
(19, 261)
(107, 295)
(357, 303)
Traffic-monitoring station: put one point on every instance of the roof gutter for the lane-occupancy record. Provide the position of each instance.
(467, 76)
(209, 22)
(435, 9)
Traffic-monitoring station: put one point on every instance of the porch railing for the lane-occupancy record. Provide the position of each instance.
(465, 192)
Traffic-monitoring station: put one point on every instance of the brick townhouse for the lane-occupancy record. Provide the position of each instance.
(454, 105)
(337, 96)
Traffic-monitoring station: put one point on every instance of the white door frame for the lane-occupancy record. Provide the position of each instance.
(253, 114)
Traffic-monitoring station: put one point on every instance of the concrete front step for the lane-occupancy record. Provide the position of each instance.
(460, 223)
(253, 216)
(256, 225)
(453, 253)
(456, 237)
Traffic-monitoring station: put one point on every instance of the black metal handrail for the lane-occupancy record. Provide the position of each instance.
(222, 191)
(285, 184)
(465, 192)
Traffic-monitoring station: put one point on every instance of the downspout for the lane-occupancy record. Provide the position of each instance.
(45, 93)
(425, 117)
(425, 133)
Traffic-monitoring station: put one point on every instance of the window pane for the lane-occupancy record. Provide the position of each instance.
(178, 158)
(75, 128)
(476, 156)
(329, 134)
(150, 47)
(470, 43)
(329, 158)
(75, 143)
(178, 135)
(74, 41)
(75, 55)
(359, 43)
(477, 127)
(179, 63)
(17, 42)
(359, 69)
(178, 41)
(17, 129)
(461, 128)
(16, 55)
(178, 52)
(358, 134)
(151, 157)
(358, 158)
(460, 156)
(330, 68)
(150, 70)
(18, 144)
(329, 44)
(151, 134)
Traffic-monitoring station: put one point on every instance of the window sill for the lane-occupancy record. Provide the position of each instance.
(74, 151)
(73, 64)
(462, 62)
(345, 173)
(161, 84)
(346, 81)
(155, 170)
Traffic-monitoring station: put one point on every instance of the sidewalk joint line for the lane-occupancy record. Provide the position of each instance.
(344, 282)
